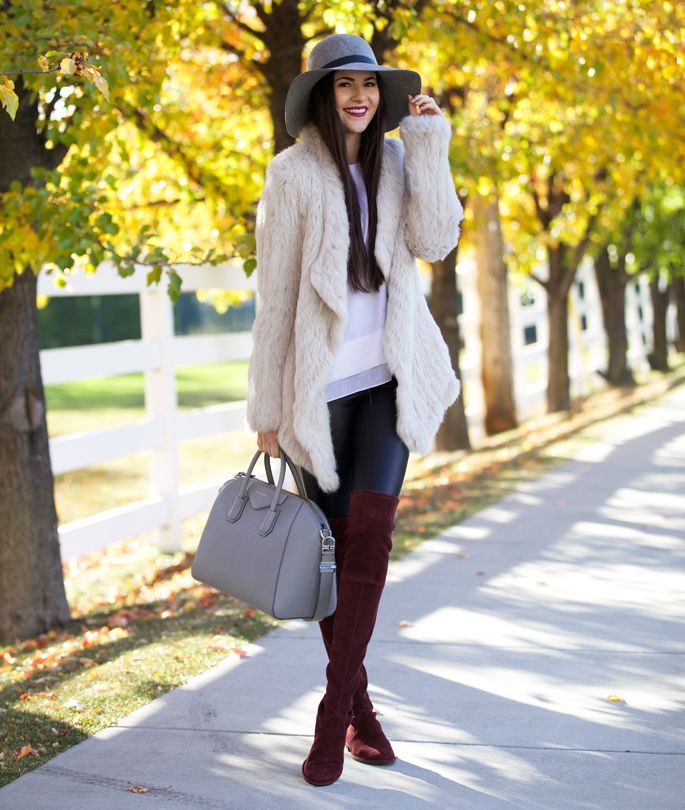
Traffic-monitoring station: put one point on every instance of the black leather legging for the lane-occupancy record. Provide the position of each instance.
(368, 452)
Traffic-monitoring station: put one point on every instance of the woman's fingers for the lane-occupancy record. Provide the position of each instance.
(268, 443)
(423, 105)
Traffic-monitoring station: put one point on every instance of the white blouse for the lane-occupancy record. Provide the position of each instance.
(360, 362)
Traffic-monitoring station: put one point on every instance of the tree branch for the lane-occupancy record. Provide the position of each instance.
(581, 248)
(243, 26)
(543, 215)
(244, 58)
(261, 12)
(541, 282)
(323, 32)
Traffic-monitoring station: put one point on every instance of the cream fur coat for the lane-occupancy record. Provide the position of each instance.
(302, 235)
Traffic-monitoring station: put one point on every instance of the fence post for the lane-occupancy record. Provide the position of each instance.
(157, 326)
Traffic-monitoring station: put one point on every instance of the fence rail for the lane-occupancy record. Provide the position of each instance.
(160, 352)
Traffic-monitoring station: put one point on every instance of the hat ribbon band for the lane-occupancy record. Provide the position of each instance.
(347, 60)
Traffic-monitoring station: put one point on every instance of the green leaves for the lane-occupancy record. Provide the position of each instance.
(175, 282)
(154, 276)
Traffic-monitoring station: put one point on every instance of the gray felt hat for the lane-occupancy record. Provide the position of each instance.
(354, 53)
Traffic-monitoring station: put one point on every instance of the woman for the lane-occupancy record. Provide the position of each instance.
(349, 371)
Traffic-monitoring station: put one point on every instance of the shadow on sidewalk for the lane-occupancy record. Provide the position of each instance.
(497, 647)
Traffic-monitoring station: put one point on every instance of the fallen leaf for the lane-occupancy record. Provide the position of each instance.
(405, 623)
(25, 751)
(239, 651)
(615, 699)
(138, 789)
(119, 619)
(249, 612)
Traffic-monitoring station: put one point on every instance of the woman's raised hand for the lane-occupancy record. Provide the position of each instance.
(268, 443)
(423, 105)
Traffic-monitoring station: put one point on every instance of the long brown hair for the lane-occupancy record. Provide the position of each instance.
(363, 272)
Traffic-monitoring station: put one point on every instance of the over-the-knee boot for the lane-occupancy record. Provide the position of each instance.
(368, 542)
(365, 738)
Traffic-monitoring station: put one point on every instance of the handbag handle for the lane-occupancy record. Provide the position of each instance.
(272, 512)
(299, 483)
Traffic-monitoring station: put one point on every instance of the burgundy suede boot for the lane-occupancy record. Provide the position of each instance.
(367, 548)
(365, 738)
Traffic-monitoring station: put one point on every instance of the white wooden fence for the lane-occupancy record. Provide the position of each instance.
(160, 352)
(157, 355)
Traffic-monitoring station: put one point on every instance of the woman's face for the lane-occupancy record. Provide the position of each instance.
(356, 98)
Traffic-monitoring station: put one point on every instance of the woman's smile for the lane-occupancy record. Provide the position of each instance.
(357, 112)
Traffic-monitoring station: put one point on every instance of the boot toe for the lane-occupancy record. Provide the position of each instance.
(321, 772)
(367, 742)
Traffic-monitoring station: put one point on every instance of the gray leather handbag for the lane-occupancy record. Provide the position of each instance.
(270, 548)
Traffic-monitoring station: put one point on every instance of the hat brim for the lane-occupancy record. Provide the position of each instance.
(396, 85)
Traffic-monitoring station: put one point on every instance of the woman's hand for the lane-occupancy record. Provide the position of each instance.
(268, 443)
(423, 105)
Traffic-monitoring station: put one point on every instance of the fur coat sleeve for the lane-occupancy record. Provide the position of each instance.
(279, 243)
(432, 211)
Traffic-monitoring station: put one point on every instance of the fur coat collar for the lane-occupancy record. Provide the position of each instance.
(302, 234)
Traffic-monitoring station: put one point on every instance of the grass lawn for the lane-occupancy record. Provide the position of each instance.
(141, 625)
(88, 405)
(108, 401)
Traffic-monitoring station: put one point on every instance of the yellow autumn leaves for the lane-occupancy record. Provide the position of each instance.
(8, 98)
(66, 64)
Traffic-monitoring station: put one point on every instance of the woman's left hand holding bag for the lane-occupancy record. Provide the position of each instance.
(267, 442)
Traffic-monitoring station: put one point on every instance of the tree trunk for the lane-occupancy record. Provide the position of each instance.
(453, 433)
(558, 285)
(32, 596)
(284, 38)
(496, 363)
(678, 289)
(612, 288)
(558, 381)
(563, 261)
(658, 357)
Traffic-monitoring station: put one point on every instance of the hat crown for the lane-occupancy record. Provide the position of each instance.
(341, 48)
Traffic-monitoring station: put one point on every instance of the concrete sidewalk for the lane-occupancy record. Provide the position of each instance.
(498, 645)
